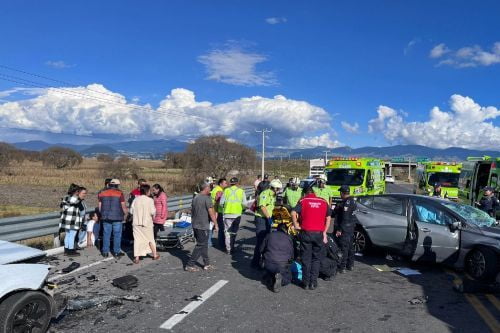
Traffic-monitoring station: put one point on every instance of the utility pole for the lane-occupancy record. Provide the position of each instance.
(326, 156)
(263, 131)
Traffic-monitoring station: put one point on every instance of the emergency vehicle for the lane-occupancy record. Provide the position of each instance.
(477, 173)
(364, 176)
(445, 173)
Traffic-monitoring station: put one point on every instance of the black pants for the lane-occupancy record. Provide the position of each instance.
(201, 248)
(157, 227)
(262, 228)
(347, 248)
(311, 247)
(274, 268)
(221, 238)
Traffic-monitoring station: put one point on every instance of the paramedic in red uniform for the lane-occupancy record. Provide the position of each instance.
(312, 217)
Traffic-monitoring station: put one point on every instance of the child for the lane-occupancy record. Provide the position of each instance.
(93, 218)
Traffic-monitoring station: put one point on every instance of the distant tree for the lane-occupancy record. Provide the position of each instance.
(60, 157)
(216, 155)
(106, 158)
(174, 160)
(7, 152)
(123, 167)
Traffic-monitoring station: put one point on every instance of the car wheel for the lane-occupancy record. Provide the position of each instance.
(482, 264)
(361, 241)
(28, 311)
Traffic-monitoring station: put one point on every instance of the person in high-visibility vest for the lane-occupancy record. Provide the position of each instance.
(216, 195)
(293, 193)
(233, 202)
(264, 217)
(321, 191)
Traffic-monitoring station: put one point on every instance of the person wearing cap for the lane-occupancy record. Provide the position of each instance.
(322, 191)
(113, 210)
(345, 224)
(233, 203)
(293, 193)
(436, 193)
(216, 195)
(263, 217)
(311, 217)
(489, 202)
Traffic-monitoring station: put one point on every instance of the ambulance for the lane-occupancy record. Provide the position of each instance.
(477, 173)
(444, 173)
(364, 176)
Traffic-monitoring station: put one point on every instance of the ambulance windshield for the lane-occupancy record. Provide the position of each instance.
(446, 179)
(338, 177)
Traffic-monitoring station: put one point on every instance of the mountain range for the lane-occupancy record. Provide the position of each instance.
(156, 149)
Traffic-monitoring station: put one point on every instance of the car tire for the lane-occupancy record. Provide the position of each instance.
(362, 243)
(29, 309)
(482, 264)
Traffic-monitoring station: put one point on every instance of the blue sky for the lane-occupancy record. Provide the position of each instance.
(345, 58)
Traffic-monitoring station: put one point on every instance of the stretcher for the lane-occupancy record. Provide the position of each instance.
(174, 237)
(281, 214)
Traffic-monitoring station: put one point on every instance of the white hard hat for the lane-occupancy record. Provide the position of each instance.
(209, 180)
(276, 183)
(296, 180)
(322, 177)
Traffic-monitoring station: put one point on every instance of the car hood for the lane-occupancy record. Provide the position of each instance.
(12, 252)
(22, 277)
(491, 232)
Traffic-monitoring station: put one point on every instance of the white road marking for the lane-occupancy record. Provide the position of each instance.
(58, 276)
(178, 317)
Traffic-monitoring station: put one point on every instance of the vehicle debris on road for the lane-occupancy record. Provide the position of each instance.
(127, 282)
(418, 300)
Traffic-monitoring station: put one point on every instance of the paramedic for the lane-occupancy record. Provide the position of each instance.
(314, 216)
(321, 191)
(292, 193)
(216, 195)
(277, 250)
(263, 217)
(345, 222)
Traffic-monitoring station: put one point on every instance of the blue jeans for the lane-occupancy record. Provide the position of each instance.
(69, 239)
(116, 228)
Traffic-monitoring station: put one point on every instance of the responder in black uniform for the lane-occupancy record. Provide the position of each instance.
(345, 224)
(489, 203)
(437, 190)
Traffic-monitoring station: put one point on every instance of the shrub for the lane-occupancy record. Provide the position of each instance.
(60, 157)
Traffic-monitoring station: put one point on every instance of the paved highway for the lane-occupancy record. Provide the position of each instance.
(234, 300)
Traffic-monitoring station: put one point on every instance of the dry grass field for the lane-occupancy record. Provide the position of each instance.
(31, 188)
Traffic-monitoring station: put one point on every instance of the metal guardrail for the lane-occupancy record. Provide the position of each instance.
(27, 227)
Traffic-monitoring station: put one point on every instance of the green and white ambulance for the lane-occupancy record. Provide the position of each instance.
(477, 173)
(445, 173)
(364, 176)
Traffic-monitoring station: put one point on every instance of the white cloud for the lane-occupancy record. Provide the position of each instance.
(276, 20)
(410, 45)
(466, 125)
(439, 50)
(323, 140)
(469, 56)
(235, 65)
(85, 111)
(58, 64)
(351, 128)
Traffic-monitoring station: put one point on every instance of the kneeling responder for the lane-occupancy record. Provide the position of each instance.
(277, 250)
(293, 193)
(314, 216)
(263, 217)
(489, 203)
(345, 222)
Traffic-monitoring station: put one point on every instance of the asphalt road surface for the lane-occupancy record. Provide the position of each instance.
(234, 300)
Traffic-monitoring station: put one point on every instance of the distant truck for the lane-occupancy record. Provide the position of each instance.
(364, 176)
(445, 173)
(477, 173)
(316, 167)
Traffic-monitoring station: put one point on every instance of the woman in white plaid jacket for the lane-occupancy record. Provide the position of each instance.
(71, 218)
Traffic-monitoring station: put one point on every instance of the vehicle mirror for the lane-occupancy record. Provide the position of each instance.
(454, 226)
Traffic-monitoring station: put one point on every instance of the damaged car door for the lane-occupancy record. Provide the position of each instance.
(438, 234)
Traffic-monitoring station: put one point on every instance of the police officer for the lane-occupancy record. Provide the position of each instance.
(489, 203)
(314, 216)
(345, 224)
(264, 217)
(321, 191)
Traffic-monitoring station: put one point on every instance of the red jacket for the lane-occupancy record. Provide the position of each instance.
(313, 212)
(161, 208)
